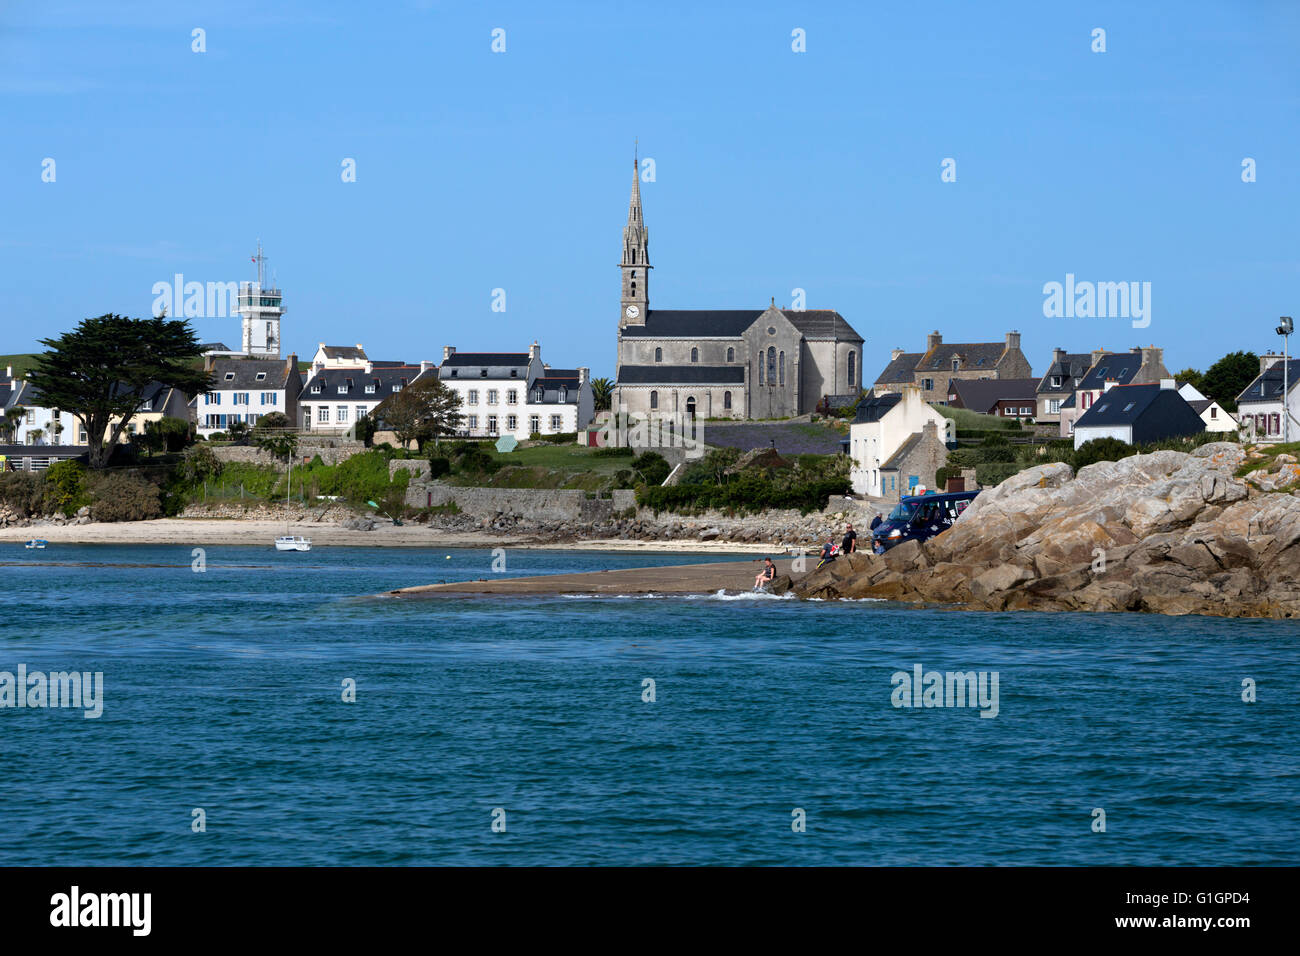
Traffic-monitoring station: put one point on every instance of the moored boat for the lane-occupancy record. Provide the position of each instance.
(290, 542)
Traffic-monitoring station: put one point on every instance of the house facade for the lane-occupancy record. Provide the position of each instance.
(1058, 383)
(515, 393)
(892, 442)
(1138, 414)
(1006, 398)
(1260, 406)
(723, 363)
(936, 368)
(335, 397)
(245, 389)
(1138, 366)
(43, 425)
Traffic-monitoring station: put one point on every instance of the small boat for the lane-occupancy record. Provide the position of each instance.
(36, 544)
(291, 542)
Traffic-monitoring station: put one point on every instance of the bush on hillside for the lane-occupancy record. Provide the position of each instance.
(123, 497)
(63, 488)
(20, 491)
(1101, 449)
(652, 466)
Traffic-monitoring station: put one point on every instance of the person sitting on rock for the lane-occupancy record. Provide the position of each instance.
(828, 553)
(767, 575)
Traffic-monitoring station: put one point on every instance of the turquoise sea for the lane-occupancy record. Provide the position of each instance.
(223, 691)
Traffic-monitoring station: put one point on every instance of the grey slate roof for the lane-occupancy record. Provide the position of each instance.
(1127, 404)
(551, 382)
(1121, 366)
(1268, 386)
(241, 374)
(352, 352)
(461, 359)
(681, 375)
(1073, 365)
(975, 355)
(821, 324)
(354, 382)
(980, 395)
(900, 369)
(485, 365)
(892, 463)
(694, 323)
(875, 408)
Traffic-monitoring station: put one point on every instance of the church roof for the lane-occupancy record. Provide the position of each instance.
(821, 324)
(681, 375)
(693, 323)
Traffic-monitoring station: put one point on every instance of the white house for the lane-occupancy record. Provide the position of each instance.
(1260, 407)
(245, 389)
(1214, 415)
(1138, 414)
(886, 425)
(335, 396)
(45, 426)
(514, 393)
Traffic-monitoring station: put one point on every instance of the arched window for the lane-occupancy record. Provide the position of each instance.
(782, 367)
(695, 355)
(690, 407)
(659, 355)
(731, 355)
(771, 365)
(726, 400)
(853, 367)
(654, 399)
(760, 368)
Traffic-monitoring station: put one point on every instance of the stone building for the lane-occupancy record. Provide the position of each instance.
(723, 363)
(941, 362)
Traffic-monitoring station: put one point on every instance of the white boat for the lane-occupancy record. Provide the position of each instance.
(36, 544)
(290, 542)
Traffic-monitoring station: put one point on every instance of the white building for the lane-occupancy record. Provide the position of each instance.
(245, 389)
(335, 397)
(514, 393)
(884, 425)
(1260, 406)
(260, 309)
(1214, 415)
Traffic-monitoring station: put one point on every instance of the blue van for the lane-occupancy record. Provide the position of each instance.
(919, 518)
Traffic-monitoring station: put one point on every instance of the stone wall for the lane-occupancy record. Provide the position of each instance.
(331, 451)
(530, 504)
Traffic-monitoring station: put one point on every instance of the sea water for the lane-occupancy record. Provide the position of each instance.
(259, 708)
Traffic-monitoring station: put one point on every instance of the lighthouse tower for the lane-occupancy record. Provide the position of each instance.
(260, 308)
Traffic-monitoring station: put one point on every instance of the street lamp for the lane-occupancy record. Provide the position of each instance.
(1284, 328)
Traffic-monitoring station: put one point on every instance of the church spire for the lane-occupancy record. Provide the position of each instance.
(636, 256)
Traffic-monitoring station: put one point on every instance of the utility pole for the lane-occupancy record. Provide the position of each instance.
(1284, 329)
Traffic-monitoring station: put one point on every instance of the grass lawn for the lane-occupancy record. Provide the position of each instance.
(20, 362)
(965, 418)
(549, 466)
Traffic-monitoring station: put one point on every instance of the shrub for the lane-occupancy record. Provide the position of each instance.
(64, 487)
(123, 497)
(994, 473)
(199, 464)
(1101, 449)
(654, 468)
(439, 466)
(20, 491)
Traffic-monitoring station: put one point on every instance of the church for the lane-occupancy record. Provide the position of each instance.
(724, 363)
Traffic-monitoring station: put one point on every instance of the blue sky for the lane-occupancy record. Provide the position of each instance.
(774, 170)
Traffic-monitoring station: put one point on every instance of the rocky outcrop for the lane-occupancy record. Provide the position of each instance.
(1169, 532)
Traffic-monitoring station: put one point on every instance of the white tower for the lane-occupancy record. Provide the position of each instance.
(260, 308)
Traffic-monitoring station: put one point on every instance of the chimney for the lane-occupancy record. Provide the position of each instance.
(360, 347)
(930, 430)
(933, 340)
(1167, 383)
(425, 365)
(534, 351)
(1107, 385)
(448, 351)
(368, 368)
(1152, 356)
(209, 360)
(291, 363)
(1267, 361)
(894, 353)
(1058, 355)
(1097, 354)
(583, 375)
(1013, 340)
(9, 371)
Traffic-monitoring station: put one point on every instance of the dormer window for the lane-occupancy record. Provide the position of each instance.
(453, 373)
(564, 394)
(514, 373)
(537, 395)
(315, 389)
(956, 363)
(482, 373)
(370, 389)
(343, 389)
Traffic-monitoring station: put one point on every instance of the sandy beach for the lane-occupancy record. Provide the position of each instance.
(231, 531)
